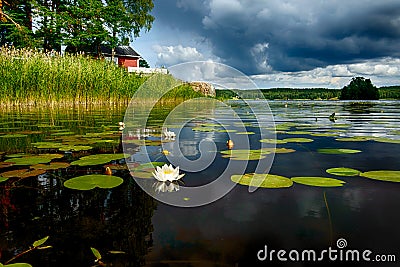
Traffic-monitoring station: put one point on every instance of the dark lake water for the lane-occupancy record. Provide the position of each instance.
(131, 228)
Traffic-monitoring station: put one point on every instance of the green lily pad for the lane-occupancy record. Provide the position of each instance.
(142, 174)
(97, 159)
(2, 179)
(32, 160)
(354, 139)
(203, 129)
(17, 265)
(324, 134)
(383, 175)
(263, 180)
(74, 148)
(244, 133)
(298, 140)
(226, 131)
(273, 141)
(386, 140)
(13, 136)
(91, 181)
(318, 181)
(244, 154)
(18, 155)
(47, 145)
(343, 171)
(51, 166)
(338, 151)
(278, 150)
(22, 173)
(62, 133)
(299, 132)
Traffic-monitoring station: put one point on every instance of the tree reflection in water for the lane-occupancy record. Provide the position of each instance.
(109, 220)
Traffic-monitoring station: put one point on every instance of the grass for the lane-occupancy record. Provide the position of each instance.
(33, 78)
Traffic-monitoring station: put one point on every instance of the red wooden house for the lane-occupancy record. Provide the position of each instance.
(124, 55)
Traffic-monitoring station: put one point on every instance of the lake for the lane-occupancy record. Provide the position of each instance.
(131, 226)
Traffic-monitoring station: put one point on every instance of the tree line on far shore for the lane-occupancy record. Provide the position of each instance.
(358, 89)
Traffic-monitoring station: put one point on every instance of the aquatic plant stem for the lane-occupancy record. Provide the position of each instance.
(330, 220)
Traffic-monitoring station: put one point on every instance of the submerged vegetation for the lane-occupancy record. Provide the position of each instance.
(35, 78)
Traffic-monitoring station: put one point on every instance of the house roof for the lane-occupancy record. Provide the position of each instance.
(122, 50)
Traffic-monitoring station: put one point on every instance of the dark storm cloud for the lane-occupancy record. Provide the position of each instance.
(260, 36)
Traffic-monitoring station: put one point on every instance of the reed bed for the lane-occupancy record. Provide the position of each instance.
(33, 78)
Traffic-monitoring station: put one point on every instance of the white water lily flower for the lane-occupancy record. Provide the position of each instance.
(121, 125)
(167, 173)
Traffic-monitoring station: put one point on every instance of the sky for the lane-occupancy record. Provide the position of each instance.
(280, 43)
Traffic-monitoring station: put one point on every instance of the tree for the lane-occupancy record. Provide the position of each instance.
(143, 63)
(359, 89)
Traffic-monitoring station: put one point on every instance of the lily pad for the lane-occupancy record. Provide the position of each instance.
(51, 166)
(265, 180)
(343, 171)
(354, 139)
(62, 133)
(47, 145)
(2, 179)
(13, 136)
(22, 173)
(273, 141)
(278, 150)
(338, 151)
(244, 154)
(383, 175)
(74, 148)
(203, 129)
(386, 140)
(32, 160)
(318, 181)
(299, 133)
(97, 159)
(244, 133)
(324, 134)
(91, 181)
(298, 140)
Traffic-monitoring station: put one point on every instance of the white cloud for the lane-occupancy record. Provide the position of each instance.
(385, 71)
(171, 55)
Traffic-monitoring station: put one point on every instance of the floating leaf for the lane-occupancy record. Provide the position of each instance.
(91, 181)
(343, 171)
(13, 136)
(244, 154)
(74, 148)
(324, 134)
(298, 140)
(62, 133)
(318, 181)
(22, 173)
(51, 166)
(338, 151)
(116, 166)
(17, 265)
(47, 145)
(273, 141)
(386, 140)
(37, 159)
(97, 159)
(18, 155)
(3, 179)
(203, 129)
(383, 175)
(244, 133)
(354, 139)
(280, 150)
(263, 180)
